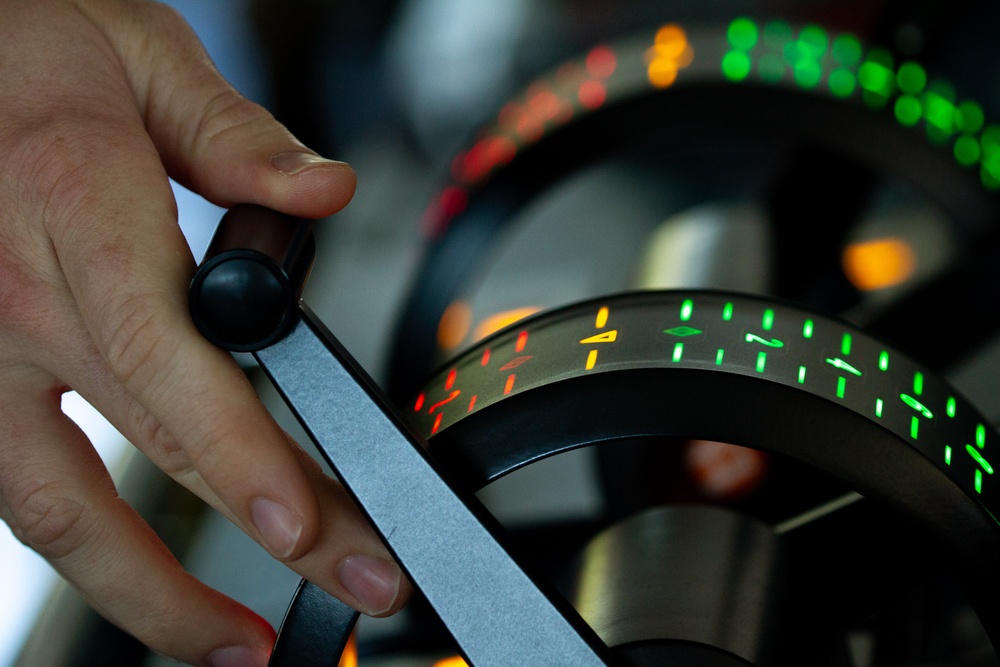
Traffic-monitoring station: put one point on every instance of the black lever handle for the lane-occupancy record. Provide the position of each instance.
(245, 294)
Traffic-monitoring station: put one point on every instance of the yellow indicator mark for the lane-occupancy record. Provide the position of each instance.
(603, 337)
(591, 360)
(602, 318)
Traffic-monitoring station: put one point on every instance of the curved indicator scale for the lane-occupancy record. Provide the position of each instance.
(746, 78)
(723, 366)
(740, 369)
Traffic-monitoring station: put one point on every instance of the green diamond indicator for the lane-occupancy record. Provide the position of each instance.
(682, 331)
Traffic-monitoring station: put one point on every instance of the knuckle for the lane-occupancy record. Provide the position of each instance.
(226, 114)
(47, 518)
(138, 345)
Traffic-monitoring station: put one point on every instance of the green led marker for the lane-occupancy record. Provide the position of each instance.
(807, 329)
(844, 366)
(878, 407)
(678, 352)
(883, 361)
(768, 321)
(845, 345)
(802, 374)
(720, 353)
(947, 454)
(761, 361)
(727, 312)
(918, 383)
(742, 34)
(687, 309)
(950, 406)
(754, 338)
(917, 405)
(841, 386)
(914, 428)
(980, 436)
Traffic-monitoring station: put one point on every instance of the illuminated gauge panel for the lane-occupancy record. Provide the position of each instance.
(678, 87)
(728, 334)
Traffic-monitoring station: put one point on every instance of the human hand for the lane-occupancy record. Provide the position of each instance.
(102, 101)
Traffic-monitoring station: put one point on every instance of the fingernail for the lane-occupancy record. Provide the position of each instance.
(373, 581)
(290, 163)
(278, 526)
(239, 656)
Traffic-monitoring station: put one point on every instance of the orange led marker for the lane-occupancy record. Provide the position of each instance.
(602, 317)
(601, 62)
(437, 423)
(450, 381)
(420, 403)
(592, 94)
(670, 53)
(509, 386)
(486, 357)
(522, 340)
(472, 403)
(591, 360)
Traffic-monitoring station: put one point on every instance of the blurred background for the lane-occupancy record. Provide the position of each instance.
(399, 89)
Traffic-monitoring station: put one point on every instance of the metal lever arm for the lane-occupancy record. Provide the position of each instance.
(445, 542)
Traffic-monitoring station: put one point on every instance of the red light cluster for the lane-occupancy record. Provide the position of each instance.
(546, 104)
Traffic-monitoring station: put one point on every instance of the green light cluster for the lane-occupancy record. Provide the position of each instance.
(814, 56)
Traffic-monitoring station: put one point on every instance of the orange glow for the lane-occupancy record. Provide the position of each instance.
(879, 263)
(510, 384)
(670, 53)
(350, 656)
(450, 380)
(498, 321)
(454, 325)
(418, 406)
(451, 662)
(437, 423)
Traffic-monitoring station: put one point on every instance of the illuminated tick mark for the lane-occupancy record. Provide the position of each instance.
(878, 407)
(754, 338)
(950, 406)
(515, 362)
(603, 337)
(841, 386)
(802, 374)
(450, 380)
(678, 352)
(451, 397)
(979, 481)
(472, 403)
(845, 345)
(918, 383)
(719, 354)
(883, 361)
(761, 360)
(808, 328)
(510, 384)
(914, 427)
(980, 436)
(844, 366)
(974, 453)
(682, 331)
(727, 312)
(420, 403)
(947, 455)
(591, 360)
(602, 317)
(916, 405)
(485, 358)
(522, 341)
(687, 309)
(768, 320)
(437, 423)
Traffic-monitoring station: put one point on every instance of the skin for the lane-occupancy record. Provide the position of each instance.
(102, 101)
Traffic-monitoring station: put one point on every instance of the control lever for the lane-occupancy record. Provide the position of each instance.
(245, 297)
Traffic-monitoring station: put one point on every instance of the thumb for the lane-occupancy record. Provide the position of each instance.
(211, 139)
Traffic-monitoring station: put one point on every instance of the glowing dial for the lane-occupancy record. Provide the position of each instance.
(731, 334)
